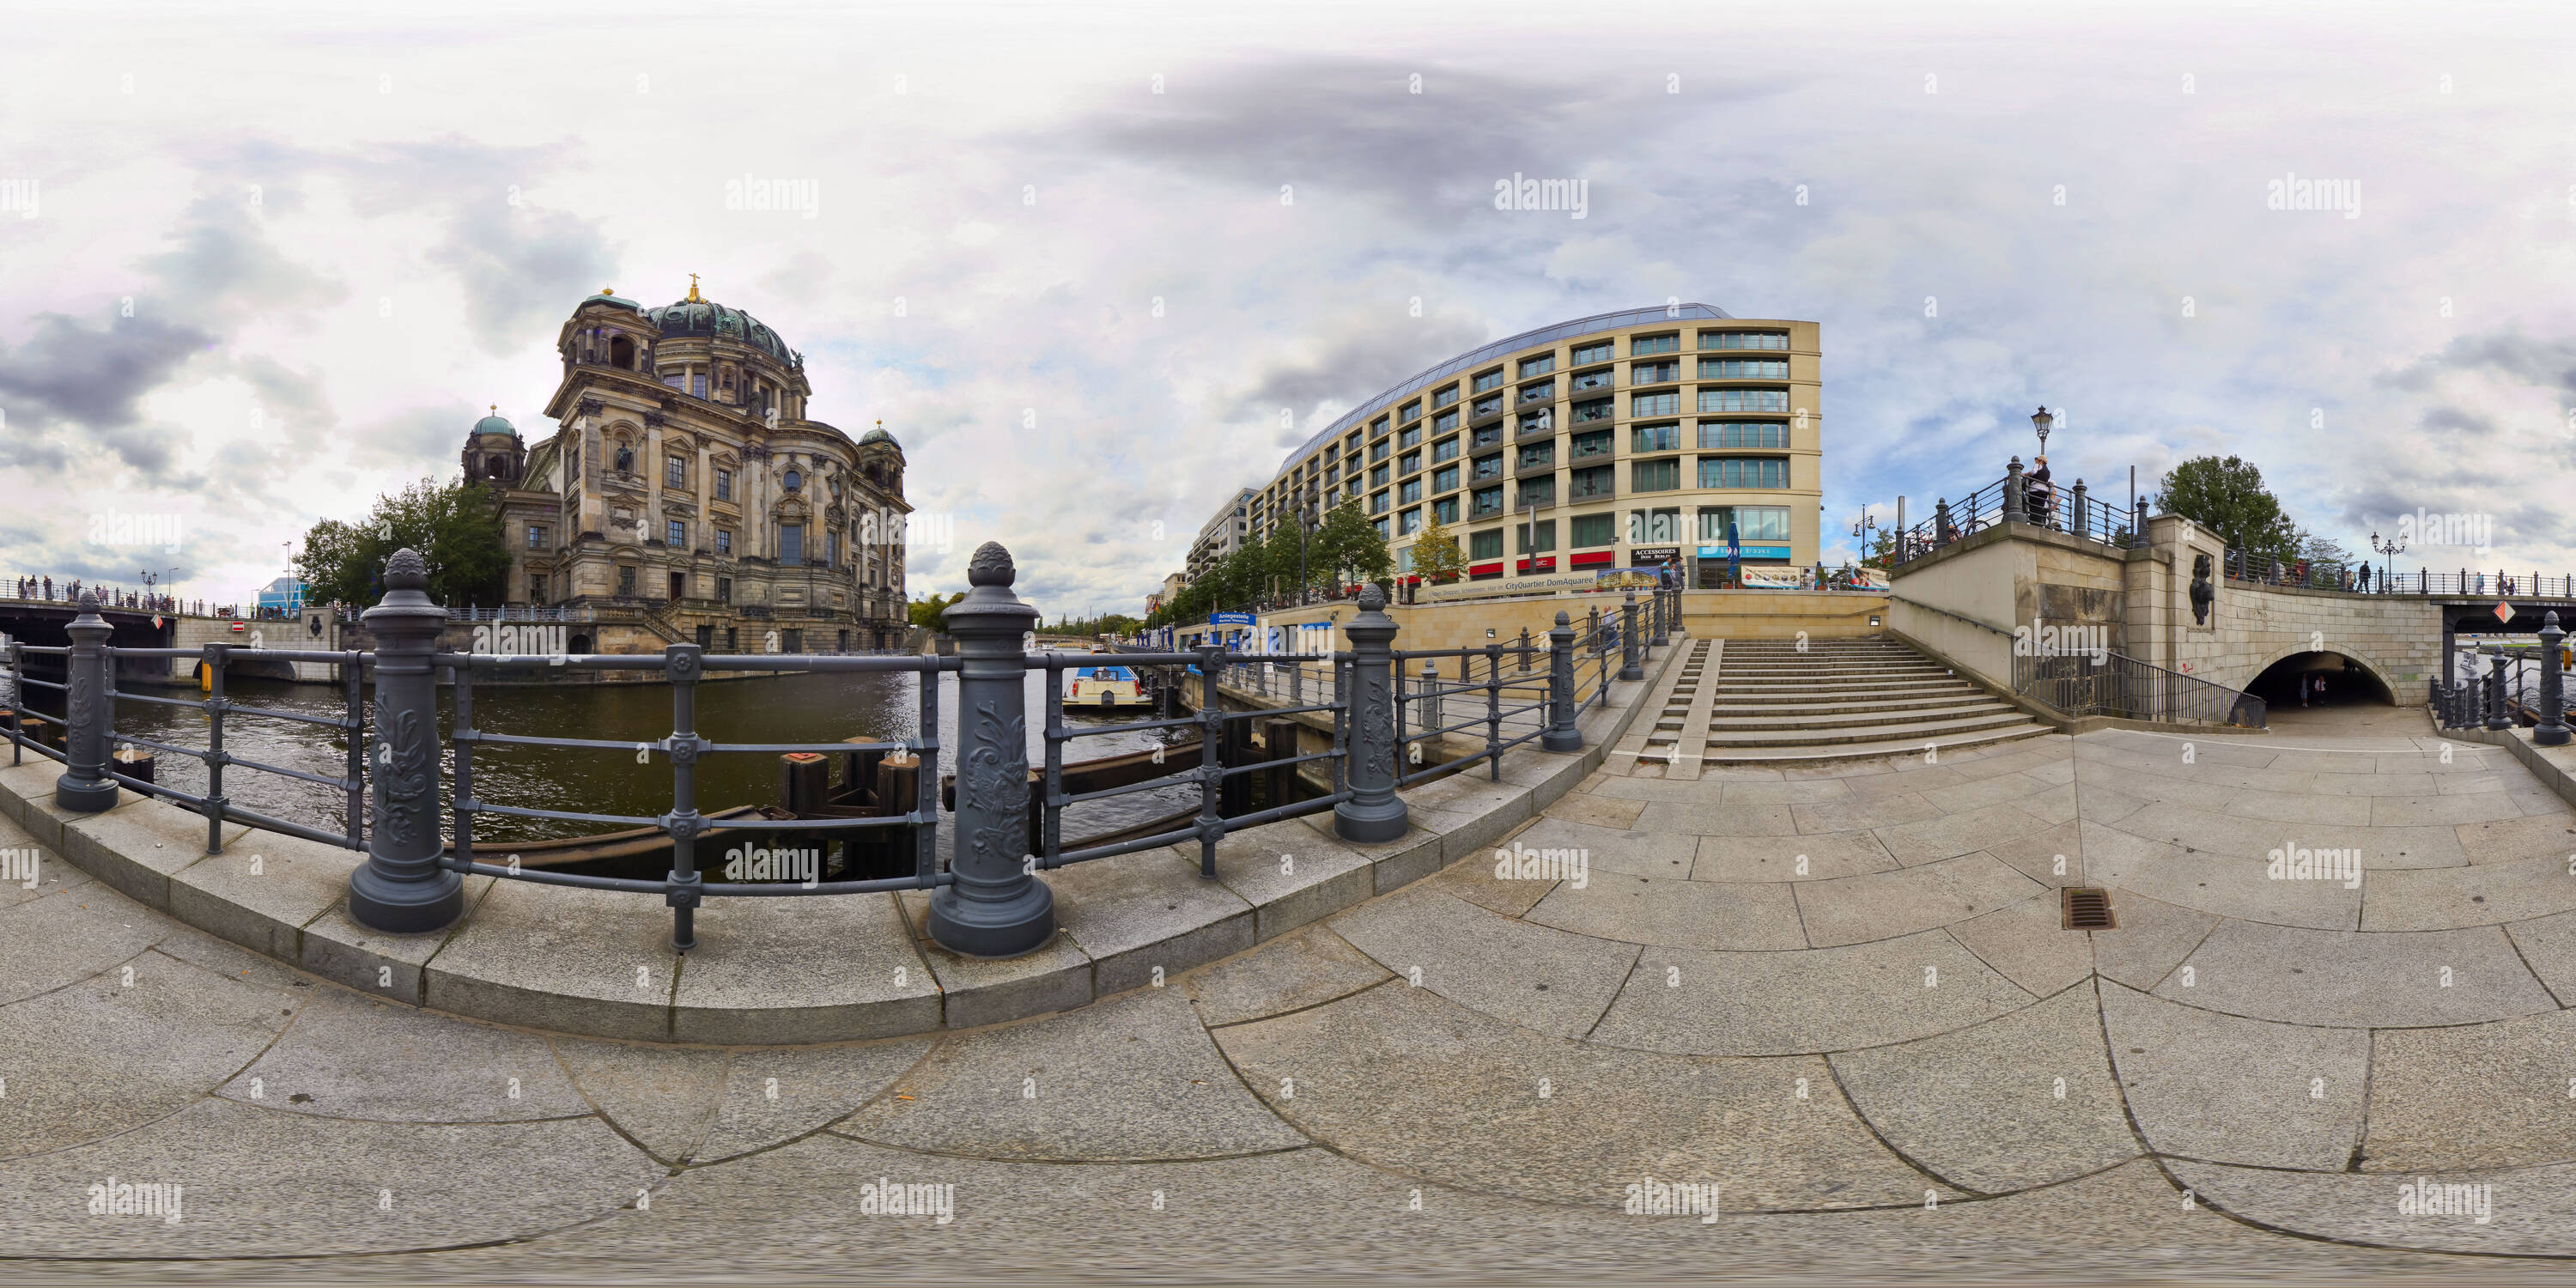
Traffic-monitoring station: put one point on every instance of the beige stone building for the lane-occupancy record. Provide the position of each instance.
(687, 496)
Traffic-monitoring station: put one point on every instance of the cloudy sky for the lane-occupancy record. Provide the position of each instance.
(1096, 265)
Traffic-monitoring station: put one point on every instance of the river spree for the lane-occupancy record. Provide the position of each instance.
(813, 708)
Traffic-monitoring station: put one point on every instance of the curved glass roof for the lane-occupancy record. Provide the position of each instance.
(1526, 339)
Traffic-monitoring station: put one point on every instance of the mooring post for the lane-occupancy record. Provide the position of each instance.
(1632, 665)
(402, 888)
(1374, 813)
(1561, 734)
(2552, 730)
(996, 906)
(84, 784)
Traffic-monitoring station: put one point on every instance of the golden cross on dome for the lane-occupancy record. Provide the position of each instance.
(693, 290)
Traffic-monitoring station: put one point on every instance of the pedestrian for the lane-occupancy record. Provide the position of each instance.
(49, 589)
(2039, 492)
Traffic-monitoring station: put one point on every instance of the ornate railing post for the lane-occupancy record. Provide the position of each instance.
(401, 888)
(682, 665)
(2495, 694)
(1663, 620)
(2080, 521)
(1941, 529)
(1632, 664)
(1374, 813)
(996, 907)
(2016, 504)
(1561, 734)
(2552, 730)
(216, 659)
(84, 784)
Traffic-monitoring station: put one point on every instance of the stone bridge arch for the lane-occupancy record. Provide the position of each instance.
(2379, 672)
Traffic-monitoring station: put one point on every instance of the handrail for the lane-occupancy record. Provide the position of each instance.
(1897, 598)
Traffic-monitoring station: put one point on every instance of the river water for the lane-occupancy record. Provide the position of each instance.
(798, 708)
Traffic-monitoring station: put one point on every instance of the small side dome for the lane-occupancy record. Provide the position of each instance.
(494, 425)
(879, 435)
(609, 295)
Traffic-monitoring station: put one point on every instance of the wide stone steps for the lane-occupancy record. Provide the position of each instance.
(1843, 700)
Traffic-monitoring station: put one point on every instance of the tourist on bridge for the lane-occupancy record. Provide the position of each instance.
(2039, 493)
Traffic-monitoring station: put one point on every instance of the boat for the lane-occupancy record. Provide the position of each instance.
(629, 848)
(1107, 688)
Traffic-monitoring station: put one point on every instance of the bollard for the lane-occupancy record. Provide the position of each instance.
(996, 907)
(2552, 730)
(2077, 521)
(401, 888)
(1662, 621)
(1431, 713)
(2016, 497)
(1632, 664)
(1561, 734)
(2496, 720)
(84, 785)
(1374, 813)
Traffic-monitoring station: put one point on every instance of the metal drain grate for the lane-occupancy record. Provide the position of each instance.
(2089, 908)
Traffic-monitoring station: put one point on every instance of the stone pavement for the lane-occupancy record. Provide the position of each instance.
(1839, 994)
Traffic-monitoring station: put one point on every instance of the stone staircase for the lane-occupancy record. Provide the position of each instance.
(1847, 700)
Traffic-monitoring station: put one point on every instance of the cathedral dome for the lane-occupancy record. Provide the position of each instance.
(696, 316)
(878, 435)
(493, 426)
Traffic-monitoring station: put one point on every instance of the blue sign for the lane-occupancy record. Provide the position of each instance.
(1750, 552)
(1229, 619)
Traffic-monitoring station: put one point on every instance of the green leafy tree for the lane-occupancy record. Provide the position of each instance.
(456, 529)
(2228, 498)
(1435, 553)
(1348, 546)
(931, 612)
(1882, 547)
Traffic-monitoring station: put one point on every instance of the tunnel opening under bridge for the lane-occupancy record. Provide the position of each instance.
(2346, 682)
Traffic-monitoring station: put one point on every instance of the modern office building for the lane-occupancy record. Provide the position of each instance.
(1619, 440)
(1222, 534)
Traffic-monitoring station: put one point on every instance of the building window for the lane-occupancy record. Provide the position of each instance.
(1444, 397)
(1594, 530)
(733, 639)
(1586, 354)
(1445, 479)
(1490, 380)
(1409, 463)
(675, 534)
(1657, 438)
(1743, 400)
(1744, 339)
(697, 384)
(1485, 545)
(1664, 404)
(1542, 421)
(724, 541)
(1444, 422)
(794, 480)
(1585, 382)
(675, 472)
(1539, 492)
(1654, 343)
(706, 638)
(1656, 476)
(1446, 509)
(1538, 538)
(791, 544)
(1597, 409)
(1743, 471)
(832, 548)
(1753, 523)
(1411, 411)
(1377, 503)
(1410, 492)
(1654, 527)
(1654, 373)
(1408, 522)
(626, 580)
(1595, 482)
(1411, 437)
(1484, 502)
(1744, 368)
(724, 589)
(1444, 450)
(1540, 392)
(537, 588)
(724, 485)
(1726, 434)
(1487, 407)
(536, 536)
(1490, 467)
(1377, 428)
(1380, 526)
(1538, 366)
(1377, 477)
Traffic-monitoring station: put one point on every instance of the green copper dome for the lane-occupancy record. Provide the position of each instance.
(493, 424)
(697, 316)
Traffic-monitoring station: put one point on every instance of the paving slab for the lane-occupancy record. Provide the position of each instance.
(1864, 812)
(1824, 999)
(661, 1097)
(102, 1055)
(2153, 938)
(1290, 875)
(2527, 1211)
(1394, 864)
(569, 960)
(1417, 1085)
(30, 789)
(2516, 840)
(1979, 792)
(1598, 811)
(1952, 835)
(1638, 851)
(1136, 913)
(1802, 791)
(2218, 883)
(52, 942)
(1549, 980)
(793, 969)
(2484, 895)
(2446, 810)
(2360, 979)
(2472, 1096)
(1825, 856)
(261, 890)
(259, 1183)
(773, 1095)
(339, 949)
(2021, 1100)
(1680, 913)
(2028, 943)
(354, 1056)
(977, 990)
(2548, 946)
(1306, 967)
(2052, 858)
(2228, 1089)
(1885, 905)
(136, 847)
(1700, 818)
(1131, 1077)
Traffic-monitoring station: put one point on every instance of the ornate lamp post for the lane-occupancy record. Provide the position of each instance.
(2043, 422)
(2389, 550)
(1862, 530)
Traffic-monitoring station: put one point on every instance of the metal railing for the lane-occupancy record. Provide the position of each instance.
(2107, 684)
(2362, 579)
(986, 900)
(2015, 498)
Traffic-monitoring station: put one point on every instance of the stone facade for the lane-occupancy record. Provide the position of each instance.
(686, 496)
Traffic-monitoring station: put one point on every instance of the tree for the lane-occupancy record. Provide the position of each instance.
(1435, 553)
(1348, 543)
(456, 529)
(1882, 548)
(2228, 498)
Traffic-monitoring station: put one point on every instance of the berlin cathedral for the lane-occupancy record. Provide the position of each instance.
(686, 498)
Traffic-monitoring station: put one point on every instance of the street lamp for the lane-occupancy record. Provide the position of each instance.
(2390, 549)
(2043, 422)
(1861, 531)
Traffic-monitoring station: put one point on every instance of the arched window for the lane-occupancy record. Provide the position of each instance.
(794, 480)
(621, 352)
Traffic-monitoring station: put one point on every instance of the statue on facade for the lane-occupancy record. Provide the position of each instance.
(2201, 591)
